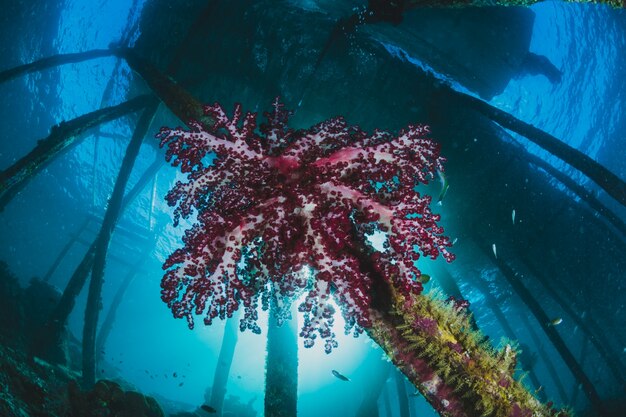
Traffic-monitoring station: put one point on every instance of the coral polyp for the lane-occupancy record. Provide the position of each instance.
(280, 211)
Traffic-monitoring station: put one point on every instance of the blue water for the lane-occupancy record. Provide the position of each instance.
(586, 110)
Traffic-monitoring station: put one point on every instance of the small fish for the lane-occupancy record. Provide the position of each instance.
(444, 187)
(208, 408)
(181, 384)
(340, 376)
(174, 374)
(455, 240)
(424, 278)
(513, 216)
(555, 322)
(493, 248)
(416, 394)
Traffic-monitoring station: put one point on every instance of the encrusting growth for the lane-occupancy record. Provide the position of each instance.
(458, 372)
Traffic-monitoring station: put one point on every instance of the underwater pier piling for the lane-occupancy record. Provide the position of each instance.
(587, 326)
(134, 270)
(445, 278)
(583, 355)
(544, 321)
(585, 195)
(102, 243)
(73, 238)
(457, 372)
(109, 319)
(554, 374)
(63, 135)
(403, 396)
(54, 61)
(178, 100)
(378, 372)
(147, 247)
(224, 362)
(281, 366)
(604, 178)
(492, 304)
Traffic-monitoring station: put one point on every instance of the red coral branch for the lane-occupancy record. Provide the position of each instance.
(277, 203)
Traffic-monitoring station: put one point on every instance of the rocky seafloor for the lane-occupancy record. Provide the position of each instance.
(32, 387)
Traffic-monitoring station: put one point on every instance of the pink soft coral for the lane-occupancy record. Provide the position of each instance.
(281, 211)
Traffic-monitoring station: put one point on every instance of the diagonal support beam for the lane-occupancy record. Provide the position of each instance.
(608, 181)
(114, 209)
(54, 61)
(62, 136)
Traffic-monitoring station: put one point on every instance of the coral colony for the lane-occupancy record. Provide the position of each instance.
(282, 211)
